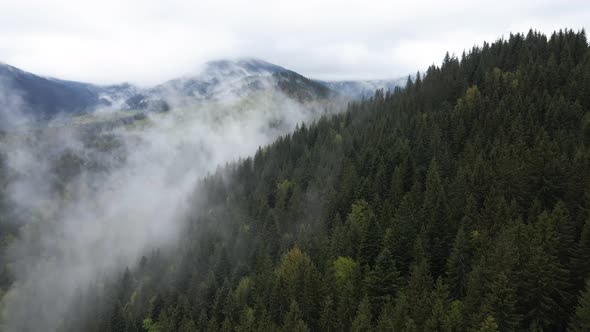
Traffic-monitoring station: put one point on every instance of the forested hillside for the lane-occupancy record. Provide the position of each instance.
(458, 203)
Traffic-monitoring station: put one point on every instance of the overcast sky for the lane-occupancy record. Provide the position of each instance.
(148, 41)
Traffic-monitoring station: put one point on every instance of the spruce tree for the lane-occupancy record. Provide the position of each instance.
(293, 320)
(580, 321)
(458, 265)
(362, 320)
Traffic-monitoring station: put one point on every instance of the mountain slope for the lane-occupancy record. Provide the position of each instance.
(460, 202)
(229, 79)
(44, 97)
(48, 96)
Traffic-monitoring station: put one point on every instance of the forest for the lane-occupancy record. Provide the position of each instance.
(460, 202)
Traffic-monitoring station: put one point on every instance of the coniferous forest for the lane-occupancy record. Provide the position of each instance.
(460, 202)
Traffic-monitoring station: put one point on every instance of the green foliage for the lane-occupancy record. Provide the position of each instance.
(293, 320)
(476, 175)
(501, 301)
(362, 320)
(458, 264)
(344, 270)
(383, 281)
(149, 325)
(581, 318)
(328, 316)
(488, 325)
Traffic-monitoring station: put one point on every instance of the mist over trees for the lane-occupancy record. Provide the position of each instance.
(84, 197)
(458, 203)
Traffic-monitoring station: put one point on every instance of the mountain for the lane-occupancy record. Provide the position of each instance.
(47, 96)
(44, 97)
(228, 79)
(217, 78)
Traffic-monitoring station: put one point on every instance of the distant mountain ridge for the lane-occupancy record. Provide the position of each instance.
(224, 79)
(45, 97)
(45, 94)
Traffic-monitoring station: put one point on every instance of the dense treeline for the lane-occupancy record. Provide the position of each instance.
(458, 203)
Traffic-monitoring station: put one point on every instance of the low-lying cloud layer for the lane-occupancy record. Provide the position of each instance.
(126, 191)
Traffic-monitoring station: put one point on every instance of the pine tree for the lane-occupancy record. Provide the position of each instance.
(456, 319)
(362, 320)
(489, 325)
(383, 281)
(370, 244)
(187, 325)
(247, 320)
(117, 323)
(458, 265)
(580, 321)
(501, 301)
(581, 257)
(328, 316)
(439, 319)
(415, 299)
(294, 320)
(436, 211)
(543, 277)
(386, 317)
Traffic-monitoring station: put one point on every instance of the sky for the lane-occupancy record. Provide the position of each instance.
(147, 42)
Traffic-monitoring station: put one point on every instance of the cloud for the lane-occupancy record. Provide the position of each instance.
(130, 196)
(151, 41)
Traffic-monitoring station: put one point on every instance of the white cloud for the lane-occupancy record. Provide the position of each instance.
(151, 41)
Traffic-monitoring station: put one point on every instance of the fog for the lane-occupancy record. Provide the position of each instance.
(126, 189)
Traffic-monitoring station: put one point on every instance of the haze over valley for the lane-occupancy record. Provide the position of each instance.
(120, 160)
(310, 166)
